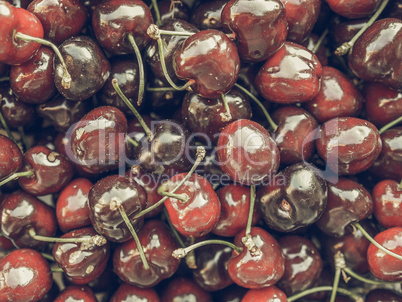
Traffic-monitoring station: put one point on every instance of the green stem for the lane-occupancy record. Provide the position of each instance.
(338, 271)
(182, 252)
(16, 176)
(390, 125)
(173, 229)
(160, 89)
(132, 141)
(227, 116)
(5, 126)
(157, 13)
(320, 40)
(48, 257)
(251, 210)
(162, 190)
(365, 280)
(141, 84)
(175, 33)
(3, 79)
(319, 289)
(94, 240)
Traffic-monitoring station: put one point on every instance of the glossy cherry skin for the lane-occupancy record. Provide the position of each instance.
(387, 197)
(72, 209)
(98, 140)
(382, 265)
(382, 294)
(81, 262)
(257, 271)
(267, 294)
(383, 104)
(32, 82)
(260, 27)
(349, 145)
(184, 289)
(342, 30)
(15, 51)
(51, 171)
(127, 292)
(295, 134)
(76, 293)
(113, 20)
(105, 217)
(247, 153)
(294, 199)
(354, 9)
(338, 97)
(207, 14)
(25, 276)
(200, 213)
(61, 19)
(204, 116)
(235, 205)
(158, 244)
(10, 157)
(87, 64)
(205, 57)
(291, 75)
(178, 11)
(375, 56)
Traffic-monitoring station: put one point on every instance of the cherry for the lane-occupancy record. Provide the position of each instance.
(382, 294)
(205, 57)
(354, 9)
(267, 294)
(343, 30)
(232, 293)
(61, 19)
(384, 266)
(247, 153)
(260, 27)
(158, 245)
(257, 270)
(349, 145)
(76, 293)
(291, 75)
(72, 209)
(338, 97)
(104, 198)
(387, 197)
(173, 10)
(127, 292)
(207, 14)
(82, 262)
(184, 289)
(294, 199)
(10, 157)
(25, 276)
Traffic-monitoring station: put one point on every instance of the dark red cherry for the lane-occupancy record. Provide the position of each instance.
(349, 145)
(51, 171)
(173, 10)
(10, 157)
(26, 276)
(76, 293)
(383, 104)
(87, 64)
(14, 51)
(158, 244)
(104, 214)
(21, 212)
(295, 134)
(210, 59)
(199, 214)
(321, 52)
(61, 19)
(127, 292)
(72, 209)
(81, 262)
(235, 205)
(294, 199)
(354, 9)
(257, 271)
(182, 289)
(384, 295)
(343, 30)
(247, 153)
(32, 82)
(387, 197)
(382, 265)
(376, 56)
(348, 201)
(267, 294)
(113, 21)
(260, 27)
(204, 116)
(291, 75)
(207, 14)
(98, 140)
(338, 97)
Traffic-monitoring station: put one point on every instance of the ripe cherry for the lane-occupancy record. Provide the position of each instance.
(127, 292)
(76, 293)
(181, 289)
(387, 197)
(268, 294)
(354, 9)
(10, 157)
(207, 15)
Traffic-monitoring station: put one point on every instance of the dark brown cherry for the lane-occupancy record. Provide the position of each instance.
(260, 27)
(268, 294)
(169, 10)
(158, 244)
(25, 275)
(387, 197)
(354, 9)
(207, 15)
(294, 199)
(291, 75)
(76, 293)
(382, 294)
(127, 292)
(181, 289)
(247, 153)
(343, 30)
(11, 159)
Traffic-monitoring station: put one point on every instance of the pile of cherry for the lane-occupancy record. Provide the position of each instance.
(265, 163)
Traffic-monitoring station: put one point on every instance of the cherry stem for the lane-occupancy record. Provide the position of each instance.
(162, 89)
(251, 210)
(347, 46)
(320, 40)
(5, 126)
(173, 229)
(227, 116)
(16, 176)
(155, 33)
(23, 137)
(390, 125)
(372, 240)
(200, 156)
(133, 110)
(162, 190)
(132, 141)
(190, 257)
(141, 84)
(174, 33)
(3, 79)
(119, 205)
(157, 13)
(56, 270)
(97, 240)
(182, 252)
(273, 125)
(48, 257)
(66, 81)
(399, 188)
(339, 261)
(319, 289)
(365, 280)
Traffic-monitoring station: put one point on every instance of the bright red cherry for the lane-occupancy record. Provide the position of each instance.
(76, 293)
(387, 197)
(267, 294)
(182, 289)
(127, 292)
(354, 9)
